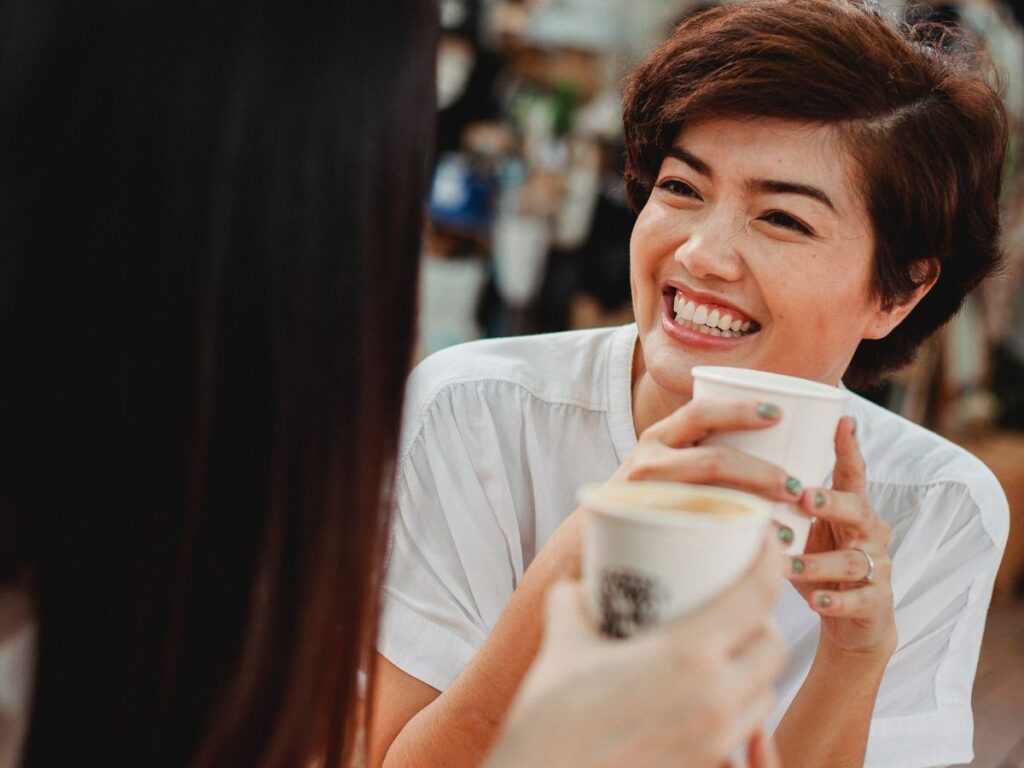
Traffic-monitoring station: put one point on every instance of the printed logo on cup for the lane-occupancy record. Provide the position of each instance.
(629, 601)
(653, 552)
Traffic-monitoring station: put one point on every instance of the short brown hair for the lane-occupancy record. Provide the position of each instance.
(926, 129)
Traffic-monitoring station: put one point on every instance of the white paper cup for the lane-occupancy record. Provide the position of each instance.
(650, 555)
(802, 442)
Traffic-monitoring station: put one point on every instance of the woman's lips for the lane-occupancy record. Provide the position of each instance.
(705, 316)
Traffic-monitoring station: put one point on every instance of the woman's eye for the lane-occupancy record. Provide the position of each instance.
(786, 221)
(677, 187)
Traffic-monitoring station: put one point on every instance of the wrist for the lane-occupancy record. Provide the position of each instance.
(861, 661)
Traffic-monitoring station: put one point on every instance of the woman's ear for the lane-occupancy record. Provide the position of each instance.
(925, 273)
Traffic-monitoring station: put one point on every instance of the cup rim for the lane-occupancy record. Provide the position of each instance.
(767, 381)
(587, 497)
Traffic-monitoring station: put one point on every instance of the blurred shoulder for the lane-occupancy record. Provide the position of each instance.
(568, 368)
(551, 366)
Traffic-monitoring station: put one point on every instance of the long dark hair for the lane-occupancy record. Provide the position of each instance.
(209, 230)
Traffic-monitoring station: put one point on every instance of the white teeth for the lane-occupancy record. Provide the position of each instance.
(713, 322)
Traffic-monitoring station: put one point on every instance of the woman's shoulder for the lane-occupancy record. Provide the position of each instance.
(906, 458)
(559, 367)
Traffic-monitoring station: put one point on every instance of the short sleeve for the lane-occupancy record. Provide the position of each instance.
(949, 547)
(455, 554)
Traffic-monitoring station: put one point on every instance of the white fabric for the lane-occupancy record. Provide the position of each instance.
(499, 434)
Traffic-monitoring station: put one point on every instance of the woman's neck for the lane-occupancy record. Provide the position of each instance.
(650, 402)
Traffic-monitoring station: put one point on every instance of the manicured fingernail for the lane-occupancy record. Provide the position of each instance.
(824, 601)
(785, 534)
(793, 486)
(819, 499)
(797, 565)
(768, 411)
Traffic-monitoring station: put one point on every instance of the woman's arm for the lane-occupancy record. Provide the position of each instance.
(827, 724)
(458, 727)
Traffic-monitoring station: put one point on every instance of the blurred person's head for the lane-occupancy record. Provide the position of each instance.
(209, 236)
(902, 137)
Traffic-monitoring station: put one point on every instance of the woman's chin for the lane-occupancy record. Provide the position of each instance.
(670, 372)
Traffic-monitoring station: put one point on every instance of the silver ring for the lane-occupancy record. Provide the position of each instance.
(871, 565)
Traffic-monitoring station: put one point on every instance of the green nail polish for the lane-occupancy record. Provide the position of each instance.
(819, 499)
(793, 486)
(768, 411)
(785, 534)
(797, 565)
(824, 601)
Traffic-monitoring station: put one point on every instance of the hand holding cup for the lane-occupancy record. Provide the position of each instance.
(683, 694)
(845, 572)
(801, 440)
(679, 449)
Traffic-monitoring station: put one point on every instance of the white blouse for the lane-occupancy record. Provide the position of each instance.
(498, 436)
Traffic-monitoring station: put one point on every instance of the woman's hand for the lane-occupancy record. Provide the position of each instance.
(845, 571)
(685, 694)
(668, 450)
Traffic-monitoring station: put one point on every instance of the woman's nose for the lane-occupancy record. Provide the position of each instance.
(712, 249)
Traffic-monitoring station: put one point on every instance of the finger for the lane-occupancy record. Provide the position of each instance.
(566, 620)
(762, 752)
(846, 509)
(785, 533)
(749, 720)
(699, 418)
(739, 613)
(719, 465)
(862, 603)
(844, 566)
(848, 474)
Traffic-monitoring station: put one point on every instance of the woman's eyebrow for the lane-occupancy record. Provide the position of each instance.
(771, 186)
(790, 188)
(690, 159)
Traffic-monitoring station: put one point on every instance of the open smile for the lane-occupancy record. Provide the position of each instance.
(704, 320)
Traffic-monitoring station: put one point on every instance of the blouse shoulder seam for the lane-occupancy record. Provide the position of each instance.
(430, 401)
(965, 488)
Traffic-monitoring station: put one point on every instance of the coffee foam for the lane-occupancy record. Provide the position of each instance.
(672, 497)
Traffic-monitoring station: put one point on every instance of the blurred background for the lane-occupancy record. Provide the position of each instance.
(528, 231)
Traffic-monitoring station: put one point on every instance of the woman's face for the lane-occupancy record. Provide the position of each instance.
(755, 227)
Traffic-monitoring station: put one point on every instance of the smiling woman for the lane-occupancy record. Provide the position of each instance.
(817, 192)
(749, 222)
